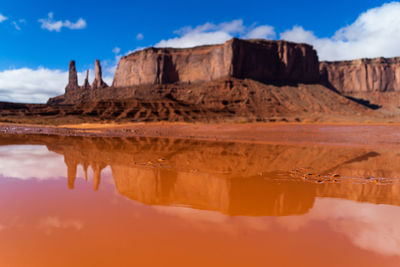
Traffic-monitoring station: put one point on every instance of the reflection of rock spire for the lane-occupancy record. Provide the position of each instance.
(85, 169)
(72, 168)
(96, 178)
(97, 168)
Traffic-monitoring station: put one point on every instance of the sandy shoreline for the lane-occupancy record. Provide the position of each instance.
(327, 134)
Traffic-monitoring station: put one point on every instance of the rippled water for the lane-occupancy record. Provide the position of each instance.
(163, 202)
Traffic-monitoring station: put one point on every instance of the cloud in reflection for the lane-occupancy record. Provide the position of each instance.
(30, 161)
(36, 161)
(369, 226)
(53, 223)
(202, 219)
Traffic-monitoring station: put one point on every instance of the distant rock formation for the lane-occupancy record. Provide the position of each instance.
(362, 75)
(261, 60)
(269, 62)
(73, 78)
(242, 77)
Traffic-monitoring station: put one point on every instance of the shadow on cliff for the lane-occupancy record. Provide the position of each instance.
(324, 80)
(364, 102)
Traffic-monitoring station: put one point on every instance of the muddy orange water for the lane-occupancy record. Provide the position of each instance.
(79, 201)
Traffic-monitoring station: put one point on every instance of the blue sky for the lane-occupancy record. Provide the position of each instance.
(32, 40)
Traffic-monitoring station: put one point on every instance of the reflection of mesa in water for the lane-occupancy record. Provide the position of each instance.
(233, 178)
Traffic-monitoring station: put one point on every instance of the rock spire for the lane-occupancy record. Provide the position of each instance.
(73, 77)
(98, 80)
(86, 84)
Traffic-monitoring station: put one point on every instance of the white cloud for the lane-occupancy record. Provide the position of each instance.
(79, 24)
(139, 36)
(51, 25)
(116, 50)
(31, 85)
(2, 18)
(264, 32)
(375, 33)
(37, 85)
(16, 26)
(210, 33)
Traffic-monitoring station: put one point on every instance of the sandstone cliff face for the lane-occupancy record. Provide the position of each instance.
(274, 61)
(167, 65)
(266, 61)
(362, 75)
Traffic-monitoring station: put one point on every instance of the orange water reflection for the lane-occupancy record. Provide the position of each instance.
(148, 202)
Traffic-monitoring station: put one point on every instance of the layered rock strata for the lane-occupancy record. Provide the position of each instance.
(261, 60)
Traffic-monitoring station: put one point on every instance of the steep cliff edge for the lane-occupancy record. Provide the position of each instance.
(372, 82)
(362, 75)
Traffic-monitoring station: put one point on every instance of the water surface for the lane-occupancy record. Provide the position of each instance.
(163, 202)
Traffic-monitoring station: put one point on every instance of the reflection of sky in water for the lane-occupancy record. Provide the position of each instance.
(36, 161)
(370, 227)
(29, 161)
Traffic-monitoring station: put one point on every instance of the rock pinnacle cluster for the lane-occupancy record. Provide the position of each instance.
(73, 78)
